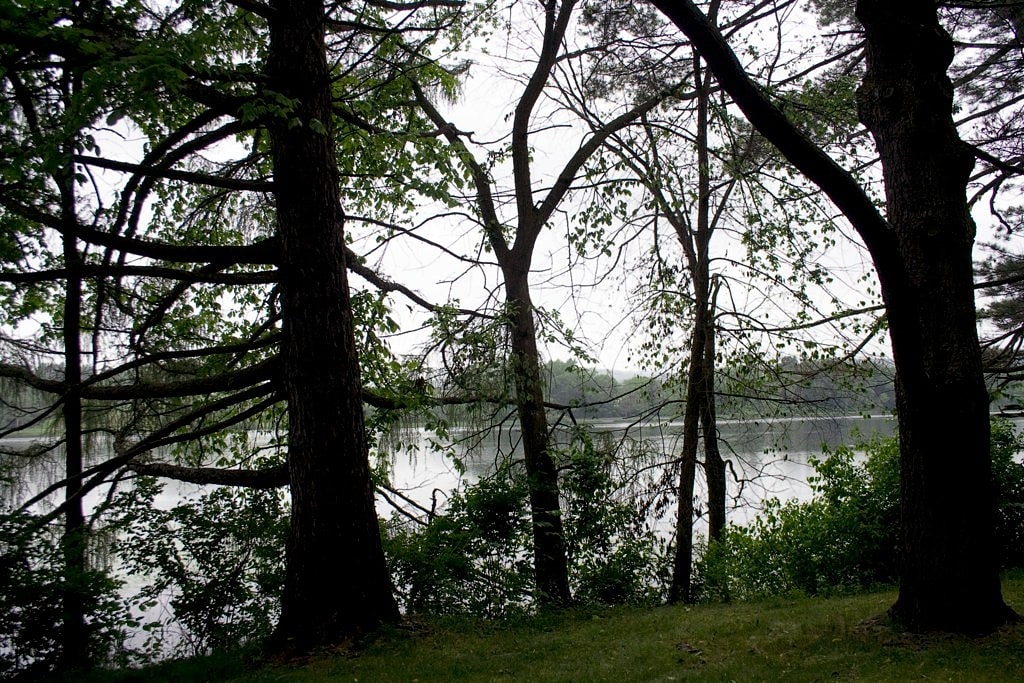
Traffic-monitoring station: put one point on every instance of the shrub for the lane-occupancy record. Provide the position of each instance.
(476, 557)
(32, 585)
(612, 552)
(846, 537)
(215, 561)
(1008, 475)
(472, 559)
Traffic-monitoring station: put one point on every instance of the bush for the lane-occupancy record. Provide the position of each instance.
(472, 559)
(476, 557)
(1008, 475)
(613, 554)
(846, 538)
(32, 585)
(216, 561)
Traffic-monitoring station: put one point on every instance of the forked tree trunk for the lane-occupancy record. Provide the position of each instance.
(949, 575)
(699, 419)
(337, 584)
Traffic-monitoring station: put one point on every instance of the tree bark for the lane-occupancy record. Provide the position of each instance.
(949, 574)
(337, 584)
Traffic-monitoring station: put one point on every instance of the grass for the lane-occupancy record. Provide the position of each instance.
(800, 639)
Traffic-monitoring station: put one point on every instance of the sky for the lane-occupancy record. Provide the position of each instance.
(593, 297)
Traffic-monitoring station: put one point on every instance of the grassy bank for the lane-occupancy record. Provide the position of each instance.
(794, 640)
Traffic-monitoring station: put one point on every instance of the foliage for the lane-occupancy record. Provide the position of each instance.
(474, 558)
(1008, 475)
(1005, 312)
(594, 394)
(471, 559)
(1005, 267)
(613, 554)
(183, 85)
(846, 536)
(216, 562)
(32, 585)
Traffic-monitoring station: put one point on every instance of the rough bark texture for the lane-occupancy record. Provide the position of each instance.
(949, 574)
(337, 585)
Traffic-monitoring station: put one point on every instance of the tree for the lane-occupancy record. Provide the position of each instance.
(332, 496)
(184, 233)
(513, 243)
(921, 251)
(48, 105)
(716, 185)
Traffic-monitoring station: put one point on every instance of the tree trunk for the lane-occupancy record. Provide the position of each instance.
(680, 589)
(699, 424)
(75, 653)
(949, 574)
(337, 584)
(704, 324)
(714, 466)
(550, 565)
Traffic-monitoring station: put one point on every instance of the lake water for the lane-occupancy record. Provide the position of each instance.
(767, 458)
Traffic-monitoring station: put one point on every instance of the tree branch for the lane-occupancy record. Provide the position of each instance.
(173, 174)
(810, 159)
(270, 478)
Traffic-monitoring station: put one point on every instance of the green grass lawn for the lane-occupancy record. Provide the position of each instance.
(799, 639)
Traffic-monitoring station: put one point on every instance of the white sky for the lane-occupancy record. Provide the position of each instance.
(597, 308)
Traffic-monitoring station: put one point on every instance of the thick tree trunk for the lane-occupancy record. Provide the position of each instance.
(949, 574)
(550, 565)
(337, 584)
